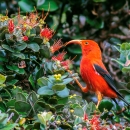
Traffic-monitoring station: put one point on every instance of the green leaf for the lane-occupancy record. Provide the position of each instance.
(16, 69)
(67, 80)
(62, 100)
(11, 103)
(40, 73)
(125, 46)
(74, 49)
(3, 120)
(125, 91)
(64, 93)
(34, 46)
(48, 67)
(127, 128)
(59, 106)
(90, 108)
(16, 90)
(66, 126)
(21, 71)
(77, 120)
(29, 127)
(19, 55)
(22, 106)
(45, 105)
(3, 59)
(126, 69)
(44, 5)
(20, 97)
(38, 40)
(21, 46)
(3, 32)
(116, 118)
(9, 39)
(97, 23)
(2, 79)
(32, 97)
(127, 98)
(26, 6)
(128, 85)
(32, 81)
(58, 87)
(115, 40)
(105, 104)
(99, 0)
(12, 82)
(45, 91)
(6, 47)
(13, 67)
(1, 68)
(15, 114)
(43, 81)
(44, 51)
(78, 111)
(3, 107)
(10, 126)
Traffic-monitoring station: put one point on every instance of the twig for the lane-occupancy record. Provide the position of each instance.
(122, 37)
(119, 112)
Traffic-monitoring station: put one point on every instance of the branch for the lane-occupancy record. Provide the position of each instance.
(119, 112)
(122, 37)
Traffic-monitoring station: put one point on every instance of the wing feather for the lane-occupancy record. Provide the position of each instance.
(109, 80)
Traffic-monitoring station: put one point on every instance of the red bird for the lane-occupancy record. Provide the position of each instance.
(94, 73)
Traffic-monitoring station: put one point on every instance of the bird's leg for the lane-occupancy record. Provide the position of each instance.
(84, 89)
(99, 97)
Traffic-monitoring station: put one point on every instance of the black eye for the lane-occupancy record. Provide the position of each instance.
(86, 43)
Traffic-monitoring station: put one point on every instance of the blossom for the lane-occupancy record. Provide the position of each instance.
(60, 62)
(25, 38)
(57, 76)
(66, 64)
(22, 64)
(85, 116)
(84, 128)
(59, 57)
(56, 46)
(95, 123)
(46, 33)
(10, 26)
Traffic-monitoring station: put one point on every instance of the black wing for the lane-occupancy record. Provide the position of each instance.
(109, 80)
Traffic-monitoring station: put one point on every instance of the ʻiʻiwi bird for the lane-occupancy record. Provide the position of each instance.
(94, 73)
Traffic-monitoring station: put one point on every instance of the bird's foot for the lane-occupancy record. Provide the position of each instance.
(99, 97)
(73, 75)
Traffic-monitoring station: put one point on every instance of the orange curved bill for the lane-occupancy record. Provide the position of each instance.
(74, 41)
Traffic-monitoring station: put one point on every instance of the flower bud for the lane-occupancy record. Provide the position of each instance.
(11, 26)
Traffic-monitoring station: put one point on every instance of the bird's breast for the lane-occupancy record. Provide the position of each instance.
(87, 73)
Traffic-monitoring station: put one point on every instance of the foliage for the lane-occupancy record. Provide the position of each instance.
(35, 84)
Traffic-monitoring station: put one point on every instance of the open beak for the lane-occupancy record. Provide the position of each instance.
(74, 41)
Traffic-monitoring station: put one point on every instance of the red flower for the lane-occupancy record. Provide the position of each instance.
(25, 38)
(46, 33)
(84, 128)
(59, 57)
(66, 64)
(56, 46)
(95, 123)
(85, 116)
(10, 26)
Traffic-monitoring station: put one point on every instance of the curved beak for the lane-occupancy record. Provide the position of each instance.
(74, 41)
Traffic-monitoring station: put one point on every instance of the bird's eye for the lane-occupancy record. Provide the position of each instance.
(86, 43)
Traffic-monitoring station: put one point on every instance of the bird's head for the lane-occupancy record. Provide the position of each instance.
(87, 46)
